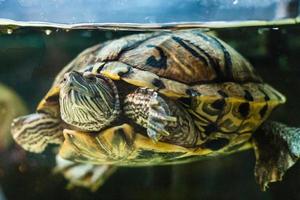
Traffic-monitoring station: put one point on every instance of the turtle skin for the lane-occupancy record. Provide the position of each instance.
(219, 89)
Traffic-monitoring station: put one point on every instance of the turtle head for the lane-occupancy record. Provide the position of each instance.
(35, 131)
(88, 102)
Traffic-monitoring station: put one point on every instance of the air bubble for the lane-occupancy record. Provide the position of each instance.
(48, 32)
(9, 31)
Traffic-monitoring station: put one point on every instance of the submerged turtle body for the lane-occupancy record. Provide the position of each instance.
(219, 88)
(189, 90)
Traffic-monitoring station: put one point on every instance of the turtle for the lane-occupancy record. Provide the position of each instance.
(156, 99)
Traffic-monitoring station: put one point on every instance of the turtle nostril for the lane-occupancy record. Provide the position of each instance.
(66, 75)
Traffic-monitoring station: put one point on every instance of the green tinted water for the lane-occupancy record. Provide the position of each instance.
(30, 58)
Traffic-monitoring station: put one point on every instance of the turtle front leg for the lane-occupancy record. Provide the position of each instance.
(35, 131)
(277, 148)
(159, 117)
(163, 118)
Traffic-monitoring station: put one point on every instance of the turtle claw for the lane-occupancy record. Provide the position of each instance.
(154, 112)
(158, 118)
(153, 135)
(156, 136)
(159, 110)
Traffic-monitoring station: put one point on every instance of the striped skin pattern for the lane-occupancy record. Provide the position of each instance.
(35, 131)
(83, 174)
(137, 106)
(88, 103)
(48, 109)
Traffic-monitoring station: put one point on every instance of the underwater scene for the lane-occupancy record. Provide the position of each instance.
(31, 59)
(149, 99)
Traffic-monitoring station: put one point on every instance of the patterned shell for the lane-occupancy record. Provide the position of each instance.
(217, 85)
(189, 57)
(220, 89)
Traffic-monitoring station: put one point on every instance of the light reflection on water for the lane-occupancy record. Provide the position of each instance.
(194, 13)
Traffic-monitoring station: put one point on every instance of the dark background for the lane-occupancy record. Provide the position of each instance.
(29, 61)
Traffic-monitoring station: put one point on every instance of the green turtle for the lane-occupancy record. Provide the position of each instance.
(155, 99)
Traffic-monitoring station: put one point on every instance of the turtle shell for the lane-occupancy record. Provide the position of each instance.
(220, 88)
(122, 146)
(189, 57)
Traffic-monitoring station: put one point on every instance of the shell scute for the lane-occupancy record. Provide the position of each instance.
(199, 58)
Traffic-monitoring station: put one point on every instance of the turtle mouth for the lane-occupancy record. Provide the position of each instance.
(75, 149)
(70, 138)
(70, 148)
(74, 139)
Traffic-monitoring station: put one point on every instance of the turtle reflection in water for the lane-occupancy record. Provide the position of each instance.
(155, 99)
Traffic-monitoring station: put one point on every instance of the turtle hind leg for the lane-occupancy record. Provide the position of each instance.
(277, 148)
(83, 174)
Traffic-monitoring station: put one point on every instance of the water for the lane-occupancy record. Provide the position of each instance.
(101, 13)
(30, 58)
